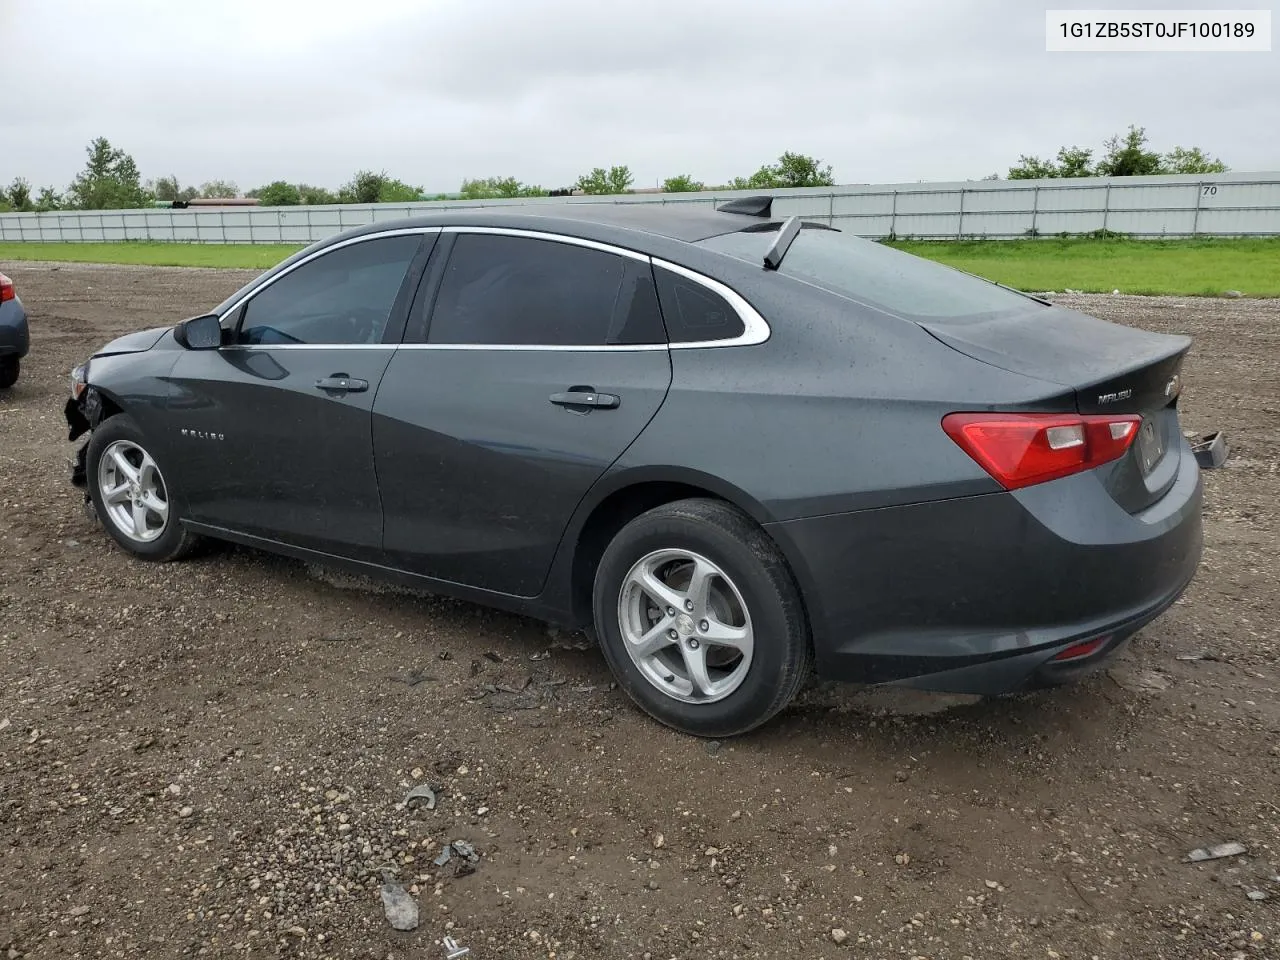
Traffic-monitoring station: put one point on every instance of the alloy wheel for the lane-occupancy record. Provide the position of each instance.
(685, 625)
(134, 495)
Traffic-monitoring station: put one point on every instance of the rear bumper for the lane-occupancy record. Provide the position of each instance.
(979, 594)
(15, 339)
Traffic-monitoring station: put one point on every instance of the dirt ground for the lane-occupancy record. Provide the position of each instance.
(211, 758)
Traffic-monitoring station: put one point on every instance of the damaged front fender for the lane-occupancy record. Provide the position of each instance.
(83, 415)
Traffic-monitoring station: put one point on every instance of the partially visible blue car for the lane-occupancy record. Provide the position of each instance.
(14, 337)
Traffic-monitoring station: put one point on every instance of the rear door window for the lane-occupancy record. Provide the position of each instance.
(501, 290)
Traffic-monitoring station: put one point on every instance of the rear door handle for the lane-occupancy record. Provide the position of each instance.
(338, 383)
(584, 398)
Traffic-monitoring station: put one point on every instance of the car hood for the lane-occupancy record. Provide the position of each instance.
(134, 342)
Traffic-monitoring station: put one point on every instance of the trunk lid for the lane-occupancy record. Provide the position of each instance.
(1110, 367)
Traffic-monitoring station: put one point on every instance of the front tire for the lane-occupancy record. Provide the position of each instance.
(700, 618)
(132, 495)
(10, 367)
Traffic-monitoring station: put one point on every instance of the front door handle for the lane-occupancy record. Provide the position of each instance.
(341, 383)
(585, 398)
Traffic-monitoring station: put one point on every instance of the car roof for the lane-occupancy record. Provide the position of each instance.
(606, 221)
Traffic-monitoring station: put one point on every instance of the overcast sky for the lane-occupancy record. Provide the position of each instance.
(438, 90)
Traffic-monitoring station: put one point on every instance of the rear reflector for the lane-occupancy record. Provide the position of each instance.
(6, 289)
(1082, 649)
(1021, 449)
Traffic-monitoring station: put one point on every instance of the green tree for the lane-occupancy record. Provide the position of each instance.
(278, 193)
(797, 170)
(167, 188)
(682, 183)
(602, 181)
(791, 170)
(18, 196)
(1192, 160)
(1071, 162)
(495, 188)
(369, 187)
(1074, 162)
(219, 189)
(313, 196)
(109, 181)
(1128, 156)
(1032, 168)
(49, 199)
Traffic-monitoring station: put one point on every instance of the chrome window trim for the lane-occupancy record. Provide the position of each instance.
(350, 241)
(597, 348)
(545, 348)
(755, 327)
(309, 346)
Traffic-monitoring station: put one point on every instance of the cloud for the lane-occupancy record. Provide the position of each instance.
(434, 92)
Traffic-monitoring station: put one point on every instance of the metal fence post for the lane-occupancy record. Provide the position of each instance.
(893, 216)
(831, 209)
(960, 222)
(1195, 217)
(1035, 209)
(1106, 206)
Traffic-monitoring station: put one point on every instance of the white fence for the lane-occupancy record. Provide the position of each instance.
(1232, 204)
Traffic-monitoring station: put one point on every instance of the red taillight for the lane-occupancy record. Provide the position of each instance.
(1020, 449)
(6, 289)
(1082, 649)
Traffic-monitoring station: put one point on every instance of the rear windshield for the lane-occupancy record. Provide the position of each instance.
(876, 275)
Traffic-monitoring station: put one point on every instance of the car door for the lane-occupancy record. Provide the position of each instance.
(530, 364)
(274, 428)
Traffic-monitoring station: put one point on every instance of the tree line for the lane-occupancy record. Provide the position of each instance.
(111, 181)
(1124, 155)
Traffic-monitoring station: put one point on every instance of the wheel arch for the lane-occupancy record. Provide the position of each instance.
(617, 500)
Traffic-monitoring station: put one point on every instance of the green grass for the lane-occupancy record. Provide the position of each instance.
(1186, 267)
(249, 255)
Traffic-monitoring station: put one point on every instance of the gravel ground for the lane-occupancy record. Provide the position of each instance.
(211, 758)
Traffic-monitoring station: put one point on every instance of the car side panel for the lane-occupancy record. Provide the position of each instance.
(804, 438)
(264, 451)
(480, 472)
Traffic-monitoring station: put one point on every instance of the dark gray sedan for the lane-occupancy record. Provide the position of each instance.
(734, 448)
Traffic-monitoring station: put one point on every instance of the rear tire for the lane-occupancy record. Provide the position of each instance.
(132, 495)
(700, 618)
(9, 369)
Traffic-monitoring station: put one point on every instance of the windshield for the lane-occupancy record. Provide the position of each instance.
(876, 275)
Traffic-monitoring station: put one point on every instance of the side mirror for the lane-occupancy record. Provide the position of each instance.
(199, 333)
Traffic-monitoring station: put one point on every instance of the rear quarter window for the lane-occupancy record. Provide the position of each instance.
(879, 276)
(693, 313)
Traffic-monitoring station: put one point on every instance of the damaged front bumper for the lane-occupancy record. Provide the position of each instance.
(83, 414)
